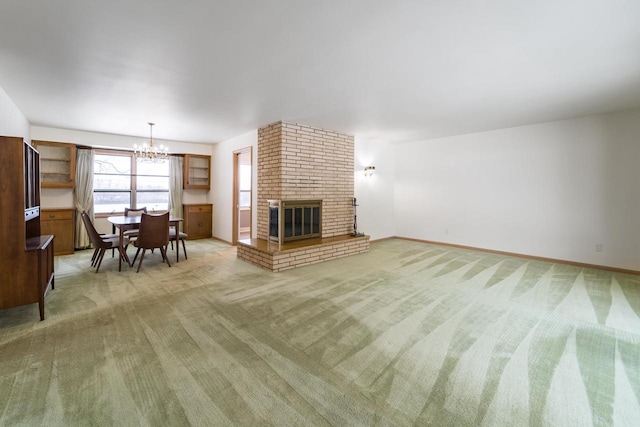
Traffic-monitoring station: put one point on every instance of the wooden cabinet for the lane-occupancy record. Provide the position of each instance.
(57, 164)
(45, 249)
(198, 220)
(197, 172)
(60, 223)
(26, 269)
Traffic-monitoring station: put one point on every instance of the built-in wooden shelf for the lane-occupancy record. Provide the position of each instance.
(57, 164)
(197, 172)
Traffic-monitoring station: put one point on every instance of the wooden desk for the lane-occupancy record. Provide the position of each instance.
(122, 221)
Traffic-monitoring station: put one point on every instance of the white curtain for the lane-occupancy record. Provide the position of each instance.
(175, 185)
(83, 194)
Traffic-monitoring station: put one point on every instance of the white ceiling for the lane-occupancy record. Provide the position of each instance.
(205, 70)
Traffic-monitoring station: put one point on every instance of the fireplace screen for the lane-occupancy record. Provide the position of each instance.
(294, 219)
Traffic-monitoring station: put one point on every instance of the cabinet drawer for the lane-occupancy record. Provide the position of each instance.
(199, 208)
(51, 215)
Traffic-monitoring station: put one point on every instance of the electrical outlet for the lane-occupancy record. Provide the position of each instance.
(446, 231)
(598, 247)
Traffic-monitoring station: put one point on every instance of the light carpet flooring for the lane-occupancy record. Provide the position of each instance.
(407, 334)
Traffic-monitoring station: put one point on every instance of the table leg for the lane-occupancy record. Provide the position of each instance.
(123, 254)
(113, 231)
(120, 248)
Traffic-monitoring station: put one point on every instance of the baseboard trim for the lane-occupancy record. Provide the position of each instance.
(533, 257)
(383, 239)
(221, 240)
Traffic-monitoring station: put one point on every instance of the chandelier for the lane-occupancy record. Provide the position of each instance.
(150, 152)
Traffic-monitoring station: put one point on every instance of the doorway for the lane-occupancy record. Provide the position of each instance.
(242, 179)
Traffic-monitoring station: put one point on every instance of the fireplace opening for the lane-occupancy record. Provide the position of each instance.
(294, 220)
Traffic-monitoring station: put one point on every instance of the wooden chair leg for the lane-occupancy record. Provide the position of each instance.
(184, 248)
(164, 255)
(102, 252)
(141, 258)
(135, 256)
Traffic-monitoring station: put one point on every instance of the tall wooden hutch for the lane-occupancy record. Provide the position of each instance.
(26, 256)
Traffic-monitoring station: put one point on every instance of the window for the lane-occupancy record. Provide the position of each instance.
(152, 187)
(245, 185)
(120, 180)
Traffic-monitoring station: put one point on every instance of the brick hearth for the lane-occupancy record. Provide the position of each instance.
(274, 257)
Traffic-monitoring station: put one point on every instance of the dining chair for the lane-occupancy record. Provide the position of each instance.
(131, 231)
(153, 233)
(105, 236)
(96, 250)
(101, 244)
(174, 236)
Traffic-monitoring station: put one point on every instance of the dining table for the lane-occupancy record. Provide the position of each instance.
(123, 223)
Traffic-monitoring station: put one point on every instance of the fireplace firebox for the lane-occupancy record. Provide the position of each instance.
(294, 220)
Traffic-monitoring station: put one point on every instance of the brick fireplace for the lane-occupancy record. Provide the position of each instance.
(303, 163)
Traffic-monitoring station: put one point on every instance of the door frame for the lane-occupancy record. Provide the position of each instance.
(236, 192)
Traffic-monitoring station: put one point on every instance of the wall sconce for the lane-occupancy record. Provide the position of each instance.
(368, 171)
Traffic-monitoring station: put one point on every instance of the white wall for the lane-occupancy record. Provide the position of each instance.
(63, 198)
(222, 183)
(12, 121)
(552, 190)
(107, 140)
(375, 194)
